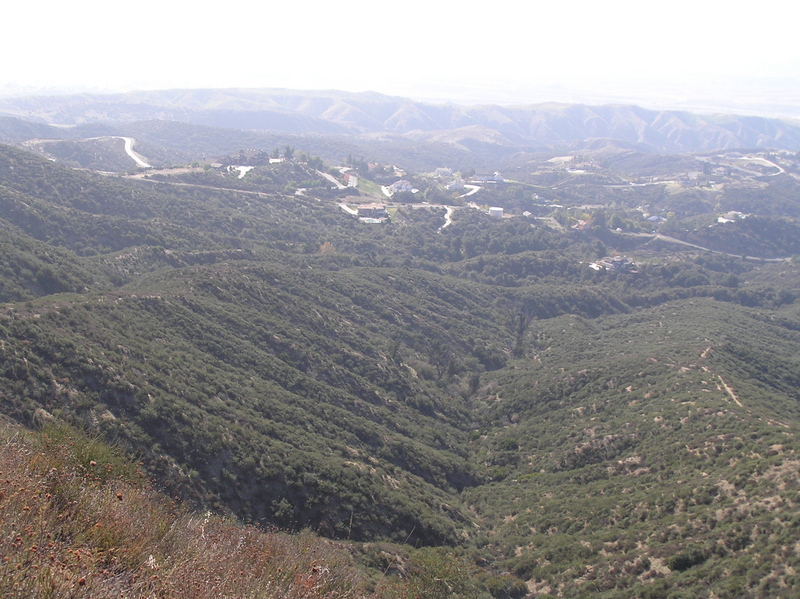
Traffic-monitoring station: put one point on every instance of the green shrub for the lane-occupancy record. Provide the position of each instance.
(686, 559)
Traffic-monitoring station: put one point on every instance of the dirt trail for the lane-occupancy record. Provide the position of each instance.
(730, 391)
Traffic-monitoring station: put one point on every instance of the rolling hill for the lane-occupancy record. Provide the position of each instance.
(341, 113)
(477, 387)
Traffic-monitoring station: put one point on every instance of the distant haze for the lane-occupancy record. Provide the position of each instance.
(704, 56)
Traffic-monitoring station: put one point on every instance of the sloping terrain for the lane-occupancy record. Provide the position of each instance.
(637, 446)
(78, 520)
(592, 433)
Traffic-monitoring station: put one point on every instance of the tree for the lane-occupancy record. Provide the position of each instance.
(440, 357)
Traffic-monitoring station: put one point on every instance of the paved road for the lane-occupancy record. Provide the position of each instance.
(332, 179)
(137, 158)
(757, 159)
(448, 218)
(348, 209)
(243, 170)
(473, 189)
(700, 247)
(129, 143)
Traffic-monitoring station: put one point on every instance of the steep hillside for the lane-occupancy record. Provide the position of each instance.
(78, 520)
(247, 398)
(317, 362)
(647, 451)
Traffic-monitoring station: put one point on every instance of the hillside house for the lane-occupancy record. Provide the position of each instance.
(615, 264)
(731, 217)
(374, 210)
(581, 225)
(350, 179)
(401, 185)
(456, 185)
(487, 178)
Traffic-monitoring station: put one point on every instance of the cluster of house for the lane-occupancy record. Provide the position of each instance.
(457, 183)
(448, 180)
(252, 156)
(401, 185)
(730, 217)
(582, 167)
(614, 264)
(484, 179)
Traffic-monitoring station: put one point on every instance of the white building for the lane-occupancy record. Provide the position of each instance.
(496, 212)
(456, 185)
(401, 185)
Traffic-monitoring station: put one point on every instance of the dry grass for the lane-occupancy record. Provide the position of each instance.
(75, 522)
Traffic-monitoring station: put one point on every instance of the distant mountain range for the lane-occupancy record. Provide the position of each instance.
(571, 126)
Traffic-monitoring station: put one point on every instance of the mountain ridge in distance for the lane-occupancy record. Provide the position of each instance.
(346, 113)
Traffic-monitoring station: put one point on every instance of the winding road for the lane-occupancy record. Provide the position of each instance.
(137, 158)
(473, 189)
(700, 247)
(448, 218)
(129, 143)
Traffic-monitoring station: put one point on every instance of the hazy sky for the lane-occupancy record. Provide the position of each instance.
(681, 52)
